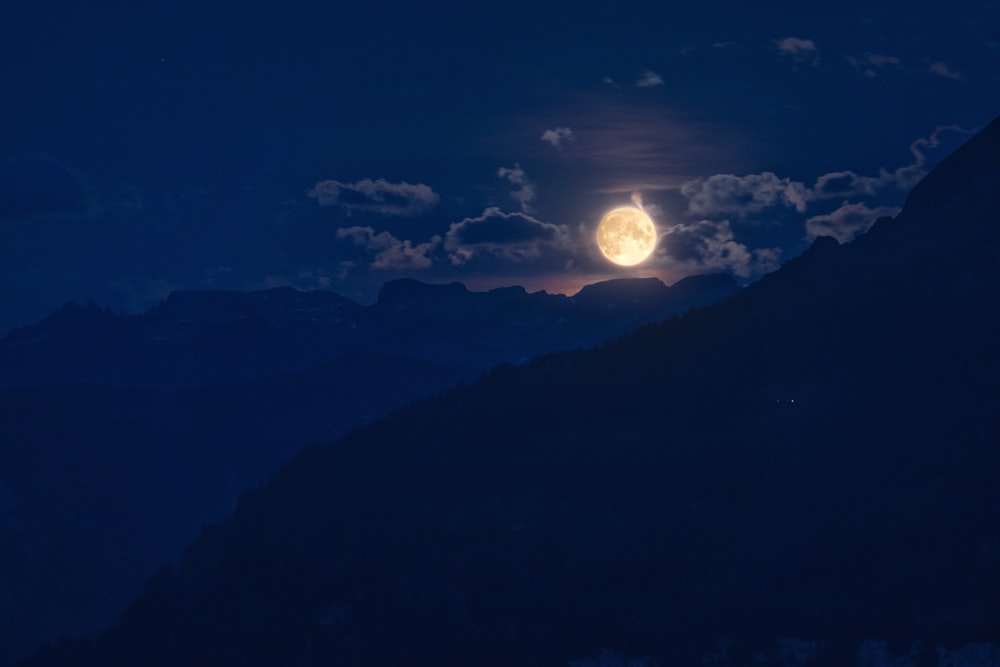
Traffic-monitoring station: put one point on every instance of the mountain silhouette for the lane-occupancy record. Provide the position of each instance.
(201, 337)
(802, 474)
(123, 434)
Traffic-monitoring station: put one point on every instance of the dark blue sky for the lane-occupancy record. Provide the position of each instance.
(154, 146)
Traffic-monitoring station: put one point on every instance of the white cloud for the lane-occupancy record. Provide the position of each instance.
(648, 79)
(871, 63)
(709, 245)
(389, 252)
(847, 221)
(524, 190)
(376, 196)
(558, 135)
(727, 194)
(515, 237)
(942, 69)
(804, 50)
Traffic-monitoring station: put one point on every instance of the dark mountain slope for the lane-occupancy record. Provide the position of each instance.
(815, 458)
(100, 486)
(206, 394)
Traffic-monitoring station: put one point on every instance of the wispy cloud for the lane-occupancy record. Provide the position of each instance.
(648, 79)
(942, 69)
(624, 142)
(872, 63)
(847, 221)
(739, 197)
(644, 148)
(390, 253)
(524, 190)
(376, 196)
(846, 184)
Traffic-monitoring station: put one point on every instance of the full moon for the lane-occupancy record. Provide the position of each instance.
(626, 235)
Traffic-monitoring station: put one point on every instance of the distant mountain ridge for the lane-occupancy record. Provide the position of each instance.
(803, 475)
(180, 342)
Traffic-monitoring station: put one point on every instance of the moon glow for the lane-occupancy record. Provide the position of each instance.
(626, 235)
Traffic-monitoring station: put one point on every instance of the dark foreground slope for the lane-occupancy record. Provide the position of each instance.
(815, 459)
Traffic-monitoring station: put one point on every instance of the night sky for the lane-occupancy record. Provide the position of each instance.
(147, 147)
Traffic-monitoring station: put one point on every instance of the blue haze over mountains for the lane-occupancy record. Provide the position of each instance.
(123, 434)
(803, 474)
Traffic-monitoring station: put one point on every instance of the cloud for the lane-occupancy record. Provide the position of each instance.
(524, 190)
(879, 60)
(803, 50)
(847, 221)
(516, 237)
(709, 245)
(871, 63)
(942, 69)
(624, 145)
(850, 184)
(389, 252)
(557, 136)
(378, 196)
(847, 184)
(495, 236)
(648, 79)
(727, 194)
(793, 46)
